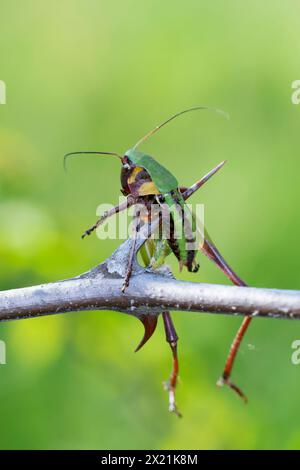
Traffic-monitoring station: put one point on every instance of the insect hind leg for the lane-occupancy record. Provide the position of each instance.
(211, 251)
(172, 339)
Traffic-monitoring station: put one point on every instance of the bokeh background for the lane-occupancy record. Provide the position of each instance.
(87, 74)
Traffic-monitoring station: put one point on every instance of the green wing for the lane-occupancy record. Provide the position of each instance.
(162, 178)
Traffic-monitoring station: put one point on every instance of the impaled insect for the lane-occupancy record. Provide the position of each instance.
(146, 182)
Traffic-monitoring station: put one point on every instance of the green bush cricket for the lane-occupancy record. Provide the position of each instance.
(145, 182)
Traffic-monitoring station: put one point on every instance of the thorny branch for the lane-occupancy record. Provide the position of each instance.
(149, 292)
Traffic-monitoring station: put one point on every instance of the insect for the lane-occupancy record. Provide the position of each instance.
(146, 183)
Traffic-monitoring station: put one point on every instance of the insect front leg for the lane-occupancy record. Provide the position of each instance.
(172, 339)
(114, 210)
(136, 228)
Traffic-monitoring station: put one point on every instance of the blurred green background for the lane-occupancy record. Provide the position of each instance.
(87, 74)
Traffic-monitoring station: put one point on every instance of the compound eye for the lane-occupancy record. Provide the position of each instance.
(126, 166)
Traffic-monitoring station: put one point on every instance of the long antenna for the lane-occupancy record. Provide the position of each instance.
(153, 131)
(89, 153)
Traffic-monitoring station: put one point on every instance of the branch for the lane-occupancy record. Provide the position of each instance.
(149, 292)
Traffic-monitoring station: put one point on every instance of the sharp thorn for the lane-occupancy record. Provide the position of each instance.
(149, 322)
